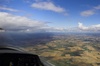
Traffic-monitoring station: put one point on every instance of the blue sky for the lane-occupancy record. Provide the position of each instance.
(56, 14)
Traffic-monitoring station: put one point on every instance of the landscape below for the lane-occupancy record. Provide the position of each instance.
(60, 49)
(70, 50)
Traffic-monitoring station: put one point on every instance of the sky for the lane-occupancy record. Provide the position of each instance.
(50, 15)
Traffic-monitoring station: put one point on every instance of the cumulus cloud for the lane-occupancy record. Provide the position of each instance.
(90, 12)
(81, 26)
(97, 7)
(10, 22)
(8, 9)
(55, 29)
(89, 28)
(87, 13)
(19, 23)
(48, 6)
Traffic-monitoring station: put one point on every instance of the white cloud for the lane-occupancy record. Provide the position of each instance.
(19, 23)
(80, 25)
(88, 13)
(10, 22)
(48, 6)
(89, 28)
(97, 7)
(55, 29)
(8, 9)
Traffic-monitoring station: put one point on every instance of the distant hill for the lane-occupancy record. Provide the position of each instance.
(24, 39)
(30, 39)
(2, 30)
